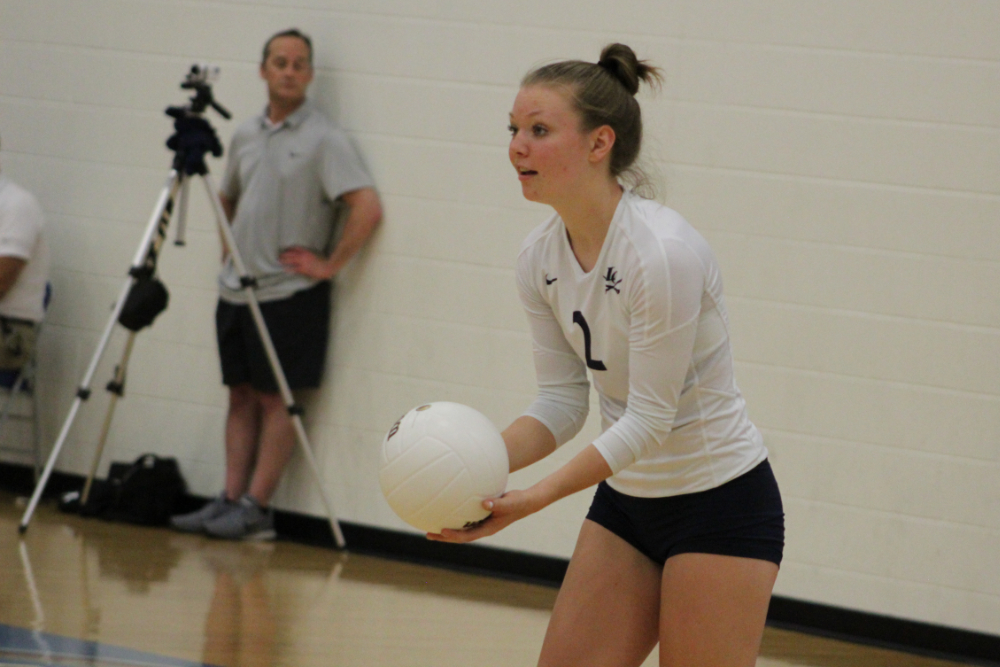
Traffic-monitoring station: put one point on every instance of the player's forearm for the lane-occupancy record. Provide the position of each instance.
(581, 472)
(527, 440)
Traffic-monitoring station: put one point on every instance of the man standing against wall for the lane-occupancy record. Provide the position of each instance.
(24, 273)
(291, 174)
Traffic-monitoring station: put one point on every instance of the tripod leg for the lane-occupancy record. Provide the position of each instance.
(272, 357)
(179, 238)
(115, 387)
(47, 470)
(153, 236)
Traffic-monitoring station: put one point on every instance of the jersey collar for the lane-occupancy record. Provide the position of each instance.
(293, 119)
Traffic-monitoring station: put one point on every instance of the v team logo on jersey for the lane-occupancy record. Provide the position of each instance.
(612, 281)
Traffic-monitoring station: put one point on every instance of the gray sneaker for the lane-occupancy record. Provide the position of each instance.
(194, 522)
(248, 521)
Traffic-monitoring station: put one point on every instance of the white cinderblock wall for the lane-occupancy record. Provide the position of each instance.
(843, 158)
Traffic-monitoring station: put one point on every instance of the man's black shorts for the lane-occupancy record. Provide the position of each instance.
(743, 517)
(299, 327)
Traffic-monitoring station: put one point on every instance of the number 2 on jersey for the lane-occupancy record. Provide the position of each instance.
(593, 364)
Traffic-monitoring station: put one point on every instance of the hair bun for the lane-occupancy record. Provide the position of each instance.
(621, 62)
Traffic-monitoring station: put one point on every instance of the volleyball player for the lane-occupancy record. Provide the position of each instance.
(685, 534)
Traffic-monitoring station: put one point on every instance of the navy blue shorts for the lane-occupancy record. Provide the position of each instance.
(743, 517)
(299, 327)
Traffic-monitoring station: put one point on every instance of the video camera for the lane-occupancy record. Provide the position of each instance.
(201, 73)
(199, 79)
(194, 136)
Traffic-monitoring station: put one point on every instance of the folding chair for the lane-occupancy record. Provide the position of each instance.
(18, 388)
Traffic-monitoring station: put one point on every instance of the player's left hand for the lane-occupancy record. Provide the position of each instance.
(305, 262)
(507, 509)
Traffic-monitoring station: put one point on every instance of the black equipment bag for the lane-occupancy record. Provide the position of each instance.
(146, 492)
(146, 299)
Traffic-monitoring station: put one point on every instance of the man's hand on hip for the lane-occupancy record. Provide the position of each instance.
(306, 262)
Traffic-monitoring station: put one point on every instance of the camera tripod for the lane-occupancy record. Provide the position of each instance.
(142, 297)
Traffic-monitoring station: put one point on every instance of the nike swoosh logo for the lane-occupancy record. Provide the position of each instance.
(549, 281)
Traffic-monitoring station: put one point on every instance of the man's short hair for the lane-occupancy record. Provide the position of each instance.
(291, 32)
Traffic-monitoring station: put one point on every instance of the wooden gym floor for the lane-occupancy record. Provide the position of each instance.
(79, 591)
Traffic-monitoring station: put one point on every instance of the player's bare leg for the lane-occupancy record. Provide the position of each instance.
(713, 610)
(607, 610)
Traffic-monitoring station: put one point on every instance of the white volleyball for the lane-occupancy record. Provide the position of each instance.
(439, 462)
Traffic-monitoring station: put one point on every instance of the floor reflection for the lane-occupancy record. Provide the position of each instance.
(240, 629)
(90, 592)
(140, 571)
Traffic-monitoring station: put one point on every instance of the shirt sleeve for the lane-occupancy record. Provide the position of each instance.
(563, 389)
(665, 303)
(20, 224)
(343, 170)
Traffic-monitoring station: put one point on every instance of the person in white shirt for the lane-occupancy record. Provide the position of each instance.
(24, 273)
(685, 535)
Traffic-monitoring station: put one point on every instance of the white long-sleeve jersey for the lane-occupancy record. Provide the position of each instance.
(649, 322)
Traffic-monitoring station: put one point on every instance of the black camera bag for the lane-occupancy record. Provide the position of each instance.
(146, 492)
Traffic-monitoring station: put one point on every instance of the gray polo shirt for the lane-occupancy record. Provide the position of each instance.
(286, 180)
